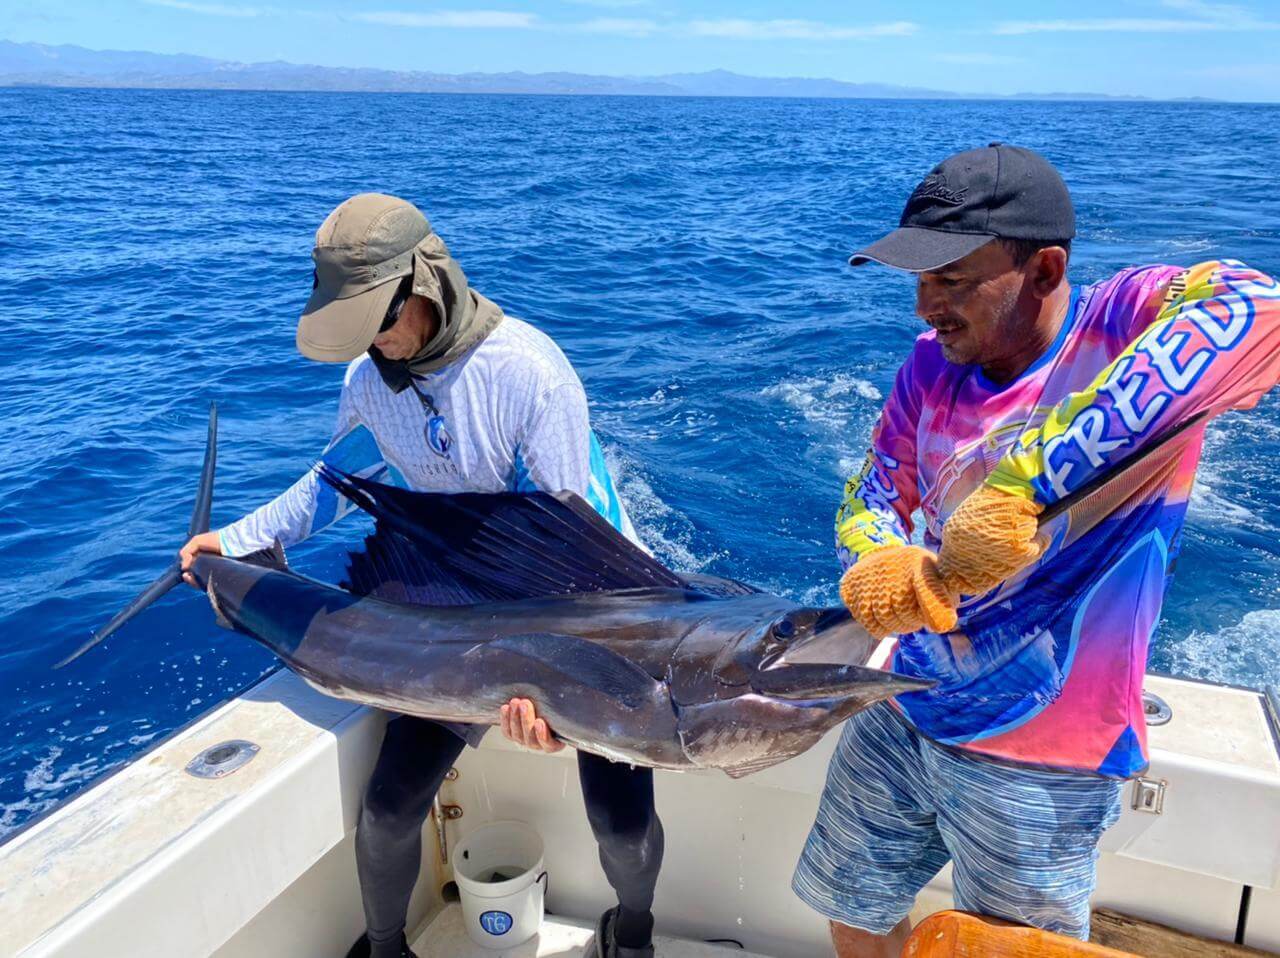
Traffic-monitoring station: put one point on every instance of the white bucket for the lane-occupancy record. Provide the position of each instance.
(501, 882)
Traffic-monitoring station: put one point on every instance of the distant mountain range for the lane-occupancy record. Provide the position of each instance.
(35, 64)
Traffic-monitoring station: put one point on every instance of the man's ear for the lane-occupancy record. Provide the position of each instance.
(430, 312)
(1047, 269)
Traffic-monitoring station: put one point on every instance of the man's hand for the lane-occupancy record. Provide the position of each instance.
(521, 724)
(991, 536)
(204, 542)
(896, 590)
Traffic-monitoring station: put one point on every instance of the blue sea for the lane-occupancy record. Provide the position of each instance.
(689, 256)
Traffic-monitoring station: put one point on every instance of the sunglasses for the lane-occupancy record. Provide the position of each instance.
(397, 305)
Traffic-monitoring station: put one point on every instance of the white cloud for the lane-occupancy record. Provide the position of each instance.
(610, 4)
(452, 19)
(637, 27)
(1209, 11)
(507, 20)
(979, 59)
(1011, 28)
(213, 9)
(1201, 17)
(796, 29)
(619, 26)
(1239, 71)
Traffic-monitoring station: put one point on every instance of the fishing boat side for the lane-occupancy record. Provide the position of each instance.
(259, 861)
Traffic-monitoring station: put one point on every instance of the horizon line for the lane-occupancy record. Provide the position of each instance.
(52, 78)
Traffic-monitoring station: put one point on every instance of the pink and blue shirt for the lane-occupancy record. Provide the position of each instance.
(1047, 669)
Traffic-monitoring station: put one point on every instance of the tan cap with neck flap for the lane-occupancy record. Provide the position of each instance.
(363, 248)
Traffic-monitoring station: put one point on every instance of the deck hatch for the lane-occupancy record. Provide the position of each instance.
(1156, 709)
(218, 761)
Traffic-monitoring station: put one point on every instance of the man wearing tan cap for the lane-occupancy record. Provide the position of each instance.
(446, 394)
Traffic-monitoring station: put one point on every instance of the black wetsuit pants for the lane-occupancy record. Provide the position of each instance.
(416, 754)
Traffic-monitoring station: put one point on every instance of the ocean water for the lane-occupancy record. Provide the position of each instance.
(688, 254)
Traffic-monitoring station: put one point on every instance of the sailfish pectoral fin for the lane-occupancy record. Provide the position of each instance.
(803, 682)
(571, 662)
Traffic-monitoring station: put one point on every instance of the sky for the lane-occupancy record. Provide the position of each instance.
(1160, 48)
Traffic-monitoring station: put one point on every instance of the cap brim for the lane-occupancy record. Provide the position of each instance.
(920, 250)
(339, 330)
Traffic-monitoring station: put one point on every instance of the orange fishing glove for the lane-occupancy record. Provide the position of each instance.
(990, 536)
(896, 590)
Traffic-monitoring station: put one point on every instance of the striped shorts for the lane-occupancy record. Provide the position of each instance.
(897, 808)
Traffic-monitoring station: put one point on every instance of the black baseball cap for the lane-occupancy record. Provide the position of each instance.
(971, 198)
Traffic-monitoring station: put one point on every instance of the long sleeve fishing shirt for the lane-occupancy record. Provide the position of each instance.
(510, 415)
(1047, 669)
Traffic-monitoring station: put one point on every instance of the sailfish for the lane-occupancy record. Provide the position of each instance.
(459, 602)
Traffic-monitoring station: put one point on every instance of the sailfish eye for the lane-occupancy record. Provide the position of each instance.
(784, 629)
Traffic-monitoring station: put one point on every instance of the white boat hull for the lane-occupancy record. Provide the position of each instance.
(154, 862)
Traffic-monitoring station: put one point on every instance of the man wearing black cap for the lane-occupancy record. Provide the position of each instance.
(1024, 390)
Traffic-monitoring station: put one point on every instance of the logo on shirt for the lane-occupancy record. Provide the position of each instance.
(434, 431)
(438, 437)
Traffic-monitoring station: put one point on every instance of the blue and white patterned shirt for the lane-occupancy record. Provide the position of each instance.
(509, 416)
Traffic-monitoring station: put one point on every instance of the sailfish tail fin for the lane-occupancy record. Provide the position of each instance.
(171, 576)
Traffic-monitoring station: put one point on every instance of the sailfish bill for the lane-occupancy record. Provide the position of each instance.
(200, 515)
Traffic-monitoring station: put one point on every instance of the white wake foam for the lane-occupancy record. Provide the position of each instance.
(666, 531)
(836, 411)
(828, 401)
(44, 785)
(1246, 653)
(1210, 507)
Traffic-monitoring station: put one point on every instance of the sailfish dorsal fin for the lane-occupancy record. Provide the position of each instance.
(464, 548)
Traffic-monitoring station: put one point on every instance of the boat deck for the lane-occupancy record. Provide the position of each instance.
(153, 862)
(445, 937)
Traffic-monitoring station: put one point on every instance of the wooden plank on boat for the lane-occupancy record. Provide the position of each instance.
(1149, 940)
(958, 934)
